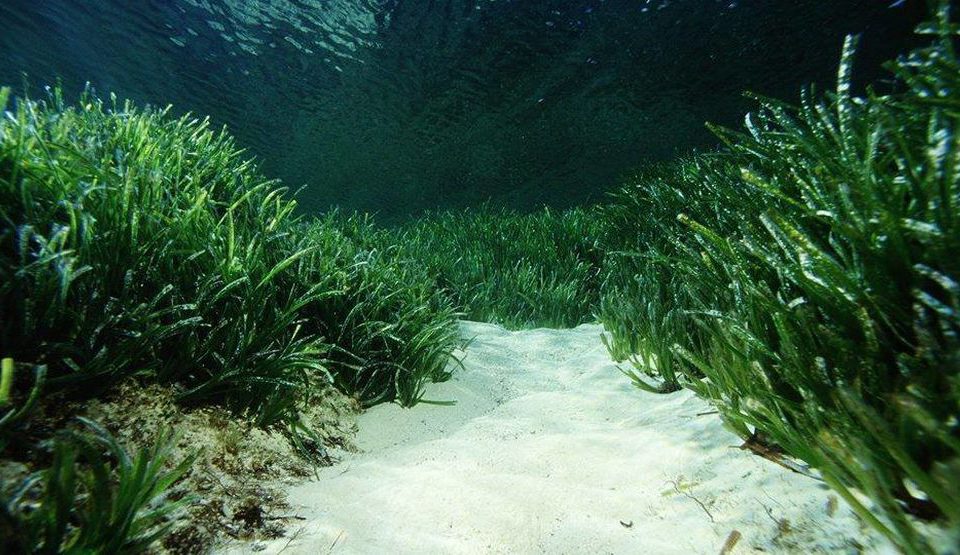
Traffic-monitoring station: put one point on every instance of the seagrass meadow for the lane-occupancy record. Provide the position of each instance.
(140, 246)
(181, 339)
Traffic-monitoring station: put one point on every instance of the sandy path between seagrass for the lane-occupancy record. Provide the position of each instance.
(550, 450)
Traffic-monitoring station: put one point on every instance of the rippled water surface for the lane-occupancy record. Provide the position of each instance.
(401, 105)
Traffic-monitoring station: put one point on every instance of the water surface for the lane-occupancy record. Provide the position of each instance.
(397, 106)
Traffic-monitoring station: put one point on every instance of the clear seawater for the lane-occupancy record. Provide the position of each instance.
(396, 106)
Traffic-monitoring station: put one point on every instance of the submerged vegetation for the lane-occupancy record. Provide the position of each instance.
(806, 281)
(135, 245)
(93, 507)
(804, 278)
(518, 270)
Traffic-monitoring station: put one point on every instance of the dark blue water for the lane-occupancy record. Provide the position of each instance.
(398, 106)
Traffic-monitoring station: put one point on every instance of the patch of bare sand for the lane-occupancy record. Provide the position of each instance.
(550, 450)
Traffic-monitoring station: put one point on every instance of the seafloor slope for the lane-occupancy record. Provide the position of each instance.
(550, 449)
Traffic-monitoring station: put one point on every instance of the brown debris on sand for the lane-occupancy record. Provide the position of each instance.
(239, 475)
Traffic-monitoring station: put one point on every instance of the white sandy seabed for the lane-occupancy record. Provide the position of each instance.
(549, 449)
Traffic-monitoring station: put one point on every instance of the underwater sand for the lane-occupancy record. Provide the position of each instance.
(550, 450)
